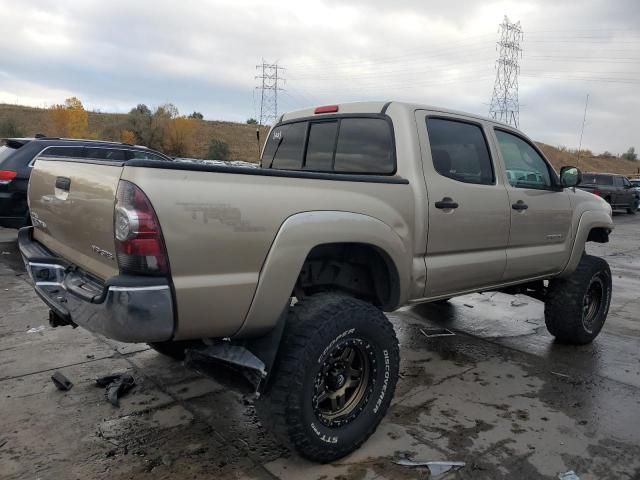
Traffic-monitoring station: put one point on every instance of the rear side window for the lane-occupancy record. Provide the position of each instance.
(106, 154)
(364, 145)
(459, 151)
(68, 152)
(344, 145)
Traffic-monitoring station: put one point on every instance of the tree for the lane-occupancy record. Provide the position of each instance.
(218, 150)
(196, 116)
(127, 136)
(69, 120)
(178, 136)
(252, 121)
(630, 154)
(10, 128)
(142, 109)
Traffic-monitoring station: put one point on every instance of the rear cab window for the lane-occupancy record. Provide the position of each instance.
(341, 144)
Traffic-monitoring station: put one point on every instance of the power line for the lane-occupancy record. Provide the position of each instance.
(270, 86)
(504, 100)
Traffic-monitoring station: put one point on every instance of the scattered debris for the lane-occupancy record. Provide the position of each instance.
(436, 332)
(563, 375)
(518, 303)
(6, 253)
(36, 329)
(467, 305)
(435, 468)
(3, 443)
(61, 382)
(116, 386)
(91, 357)
(570, 475)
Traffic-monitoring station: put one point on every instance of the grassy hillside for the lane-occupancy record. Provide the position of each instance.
(241, 138)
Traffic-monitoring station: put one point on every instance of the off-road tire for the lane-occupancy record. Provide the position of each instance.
(566, 314)
(171, 349)
(316, 326)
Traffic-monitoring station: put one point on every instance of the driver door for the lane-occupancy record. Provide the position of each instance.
(541, 214)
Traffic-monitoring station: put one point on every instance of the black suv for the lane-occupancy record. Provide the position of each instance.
(616, 189)
(17, 156)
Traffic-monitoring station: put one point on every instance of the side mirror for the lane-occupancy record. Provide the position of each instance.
(570, 176)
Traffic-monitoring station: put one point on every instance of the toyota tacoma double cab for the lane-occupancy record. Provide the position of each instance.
(285, 271)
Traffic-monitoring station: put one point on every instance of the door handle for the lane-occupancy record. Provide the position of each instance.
(519, 205)
(63, 183)
(446, 203)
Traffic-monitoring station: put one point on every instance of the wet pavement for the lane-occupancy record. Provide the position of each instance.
(499, 395)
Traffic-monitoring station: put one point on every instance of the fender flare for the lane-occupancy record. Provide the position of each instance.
(296, 237)
(588, 220)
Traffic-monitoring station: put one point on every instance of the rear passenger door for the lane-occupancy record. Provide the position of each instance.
(468, 207)
(540, 209)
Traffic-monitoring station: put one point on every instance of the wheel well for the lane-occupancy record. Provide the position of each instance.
(598, 235)
(360, 269)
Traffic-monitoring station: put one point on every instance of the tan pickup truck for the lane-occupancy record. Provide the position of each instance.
(285, 270)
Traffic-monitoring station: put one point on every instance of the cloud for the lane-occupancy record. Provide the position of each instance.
(201, 55)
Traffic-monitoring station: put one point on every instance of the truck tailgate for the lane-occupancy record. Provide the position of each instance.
(72, 208)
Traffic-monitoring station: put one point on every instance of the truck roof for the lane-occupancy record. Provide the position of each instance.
(378, 106)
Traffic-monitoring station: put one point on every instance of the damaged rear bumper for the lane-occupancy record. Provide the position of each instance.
(125, 308)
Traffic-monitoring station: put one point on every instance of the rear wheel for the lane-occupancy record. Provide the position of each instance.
(576, 307)
(334, 378)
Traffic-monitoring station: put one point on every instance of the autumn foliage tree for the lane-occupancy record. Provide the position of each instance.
(69, 119)
(179, 135)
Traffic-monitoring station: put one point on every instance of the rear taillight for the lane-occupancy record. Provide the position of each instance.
(6, 176)
(597, 192)
(139, 245)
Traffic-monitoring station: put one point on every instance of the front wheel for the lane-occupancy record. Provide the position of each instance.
(334, 377)
(633, 208)
(576, 307)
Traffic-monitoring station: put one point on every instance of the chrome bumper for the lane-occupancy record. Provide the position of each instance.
(125, 308)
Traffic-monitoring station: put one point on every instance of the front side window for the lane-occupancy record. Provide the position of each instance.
(525, 167)
(459, 151)
(617, 181)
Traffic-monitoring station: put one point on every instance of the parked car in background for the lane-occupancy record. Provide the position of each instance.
(617, 190)
(17, 156)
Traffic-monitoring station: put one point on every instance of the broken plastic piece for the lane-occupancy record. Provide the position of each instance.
(117, 385)
(518, 303)
(61, 382)
(570, 475)
(36, 329)
(435, 468)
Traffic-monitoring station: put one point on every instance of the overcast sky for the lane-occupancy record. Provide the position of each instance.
(201, 55)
